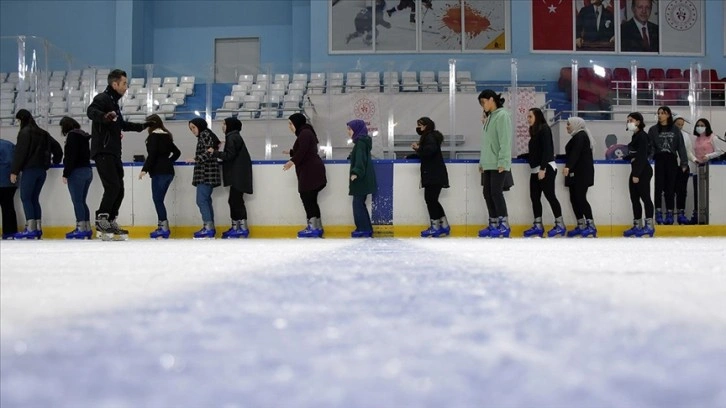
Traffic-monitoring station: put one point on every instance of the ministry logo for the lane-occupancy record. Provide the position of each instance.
(681, 15)
(364, 109)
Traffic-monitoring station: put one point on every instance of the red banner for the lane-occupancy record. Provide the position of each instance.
(552, 28)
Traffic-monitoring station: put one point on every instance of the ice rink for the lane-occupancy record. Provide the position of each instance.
(364, 323)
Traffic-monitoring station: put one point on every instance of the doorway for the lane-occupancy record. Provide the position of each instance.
(234, 57)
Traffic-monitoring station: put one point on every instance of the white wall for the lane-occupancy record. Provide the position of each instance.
(276, 201)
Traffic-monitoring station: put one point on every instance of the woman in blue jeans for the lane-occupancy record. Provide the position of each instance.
(32, 157)
(207, 174)
(77, 174)
(159, 164)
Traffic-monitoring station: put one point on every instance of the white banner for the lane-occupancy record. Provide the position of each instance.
(681, 27)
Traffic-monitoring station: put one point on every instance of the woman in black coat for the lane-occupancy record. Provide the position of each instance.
(77, 174)
(310, 172)
(33, 154)
(579, 175)
(159, 164)
(543, 171)
(434, 176)
(237, 174)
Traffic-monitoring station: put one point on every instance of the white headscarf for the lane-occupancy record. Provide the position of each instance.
(578, 124)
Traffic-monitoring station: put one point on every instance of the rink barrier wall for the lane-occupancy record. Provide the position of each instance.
(398, 210)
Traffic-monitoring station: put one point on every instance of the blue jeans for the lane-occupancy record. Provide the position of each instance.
(78, 184)
(159, 186)
(31, 183)
(204, 202)
(360, 213)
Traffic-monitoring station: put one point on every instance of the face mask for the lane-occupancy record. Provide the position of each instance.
(631, 126)
(700, 129)
(419, 131)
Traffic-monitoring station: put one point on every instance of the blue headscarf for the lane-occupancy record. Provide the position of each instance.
(359, 129)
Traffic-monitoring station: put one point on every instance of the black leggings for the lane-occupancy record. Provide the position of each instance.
(310, 202)
(666, 173)
(641, 192)
(493, 183)
(546, 186)
(111, 172)
(431, 196)
(237, 209)
(578, 198)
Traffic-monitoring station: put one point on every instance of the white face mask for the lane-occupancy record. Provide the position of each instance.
(631, 126)
(700, 129)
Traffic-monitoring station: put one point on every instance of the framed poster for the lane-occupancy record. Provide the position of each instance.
(682, 28)
(380, 26)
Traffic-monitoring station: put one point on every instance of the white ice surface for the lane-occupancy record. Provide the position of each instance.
(364, 323)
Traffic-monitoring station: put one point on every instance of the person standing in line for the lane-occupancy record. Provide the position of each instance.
(579, 175)
(362, 177)
(543, 171)
(705, 146)
(639, 180)
(206, 174)
(35, 150)
(495, 162)
(667, 143)
(161, 153)
(237, 174)
(683, 176)
(310, 172)
(106, 128)
(434, 176)
(77, 174)
(7, 190)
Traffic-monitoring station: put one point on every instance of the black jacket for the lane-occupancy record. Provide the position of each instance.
(638, 154)
(77, 153)
(579, 160)
(106, 134)
(631, 39)
(161, 154)
(433, 168)
(309, 167)
(236, 163)
(35, 149)
(541, 148)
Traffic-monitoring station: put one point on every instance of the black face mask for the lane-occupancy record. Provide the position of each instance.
(419, 131)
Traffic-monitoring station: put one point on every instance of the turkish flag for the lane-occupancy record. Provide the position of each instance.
(552, 27)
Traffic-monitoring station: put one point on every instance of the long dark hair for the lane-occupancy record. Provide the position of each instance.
(539, 121)
(26, 119)
(430, 128)
(668, 125)
(67, 124)
(154, 121)
(639, 117)
(708, 131)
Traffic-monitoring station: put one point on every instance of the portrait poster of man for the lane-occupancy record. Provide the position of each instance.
(594, 25)
(640, 31)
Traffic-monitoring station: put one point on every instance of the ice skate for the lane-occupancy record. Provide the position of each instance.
(161, 231)
(207, 232)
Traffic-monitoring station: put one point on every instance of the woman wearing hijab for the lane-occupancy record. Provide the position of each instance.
(495, 162)
(639, 180)
(362, 177)
(77, 174)
(206, 174)
(434, 176)
(32, 157)
(310, 172)
(579, 175)
(159, 164)
(237, 174)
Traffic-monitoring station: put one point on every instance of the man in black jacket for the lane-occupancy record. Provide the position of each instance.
(108, 123)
